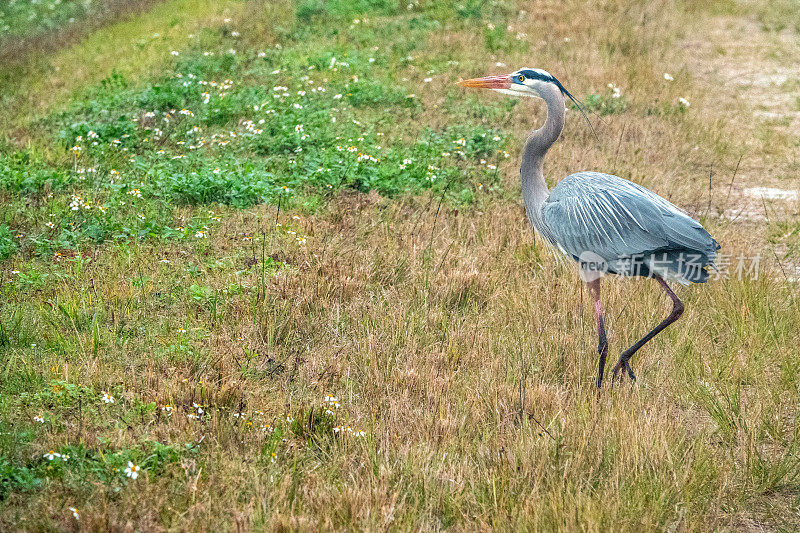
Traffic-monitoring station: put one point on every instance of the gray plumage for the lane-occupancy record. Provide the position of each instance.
(633, 230)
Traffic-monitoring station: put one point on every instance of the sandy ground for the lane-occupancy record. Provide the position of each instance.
(755, 75)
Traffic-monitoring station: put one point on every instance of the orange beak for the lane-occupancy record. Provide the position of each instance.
(488, 82)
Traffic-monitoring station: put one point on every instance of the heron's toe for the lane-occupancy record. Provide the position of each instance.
(620, 369)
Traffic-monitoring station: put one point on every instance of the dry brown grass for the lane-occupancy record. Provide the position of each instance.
(464, 352)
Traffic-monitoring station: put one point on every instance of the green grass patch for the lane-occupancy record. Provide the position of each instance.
(237, 127)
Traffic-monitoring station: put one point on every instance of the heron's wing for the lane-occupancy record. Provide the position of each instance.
(616, 219)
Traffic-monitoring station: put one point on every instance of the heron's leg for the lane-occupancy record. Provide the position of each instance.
(602, 345)
(677, 311)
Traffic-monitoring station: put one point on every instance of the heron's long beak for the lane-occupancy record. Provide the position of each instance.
(488, 82)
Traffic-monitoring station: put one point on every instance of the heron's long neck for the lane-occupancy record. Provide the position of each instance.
(534, 187)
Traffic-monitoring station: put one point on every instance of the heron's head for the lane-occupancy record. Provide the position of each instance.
(533, 82)
(524, 82)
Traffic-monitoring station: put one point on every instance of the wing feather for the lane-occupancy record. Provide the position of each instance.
(617, 219)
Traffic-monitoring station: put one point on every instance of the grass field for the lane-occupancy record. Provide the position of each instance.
(264, 266)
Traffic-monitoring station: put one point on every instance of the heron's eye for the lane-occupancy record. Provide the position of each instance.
(521, 78)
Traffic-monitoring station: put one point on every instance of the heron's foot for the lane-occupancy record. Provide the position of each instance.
(620, 369)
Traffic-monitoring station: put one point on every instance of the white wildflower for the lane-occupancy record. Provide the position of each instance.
(133, 470)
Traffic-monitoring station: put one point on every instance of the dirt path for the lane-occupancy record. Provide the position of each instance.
(755, 75)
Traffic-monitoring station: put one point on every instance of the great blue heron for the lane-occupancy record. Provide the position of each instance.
(606, 223)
